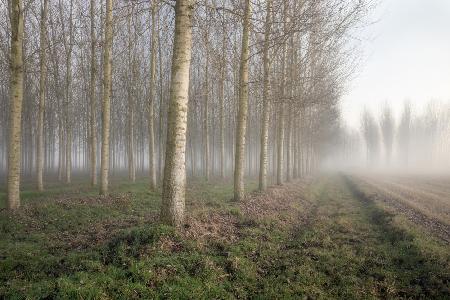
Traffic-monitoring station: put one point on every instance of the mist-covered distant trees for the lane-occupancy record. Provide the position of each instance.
(370, 130)
(387, 125)
(403, 138)
(412, 139)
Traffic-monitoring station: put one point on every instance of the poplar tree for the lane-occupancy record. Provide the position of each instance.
(243, 107)
(106, 102)
(15, 100)
(174, 183)
(42, 95)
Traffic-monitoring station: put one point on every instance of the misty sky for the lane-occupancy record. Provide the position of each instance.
(406, 56)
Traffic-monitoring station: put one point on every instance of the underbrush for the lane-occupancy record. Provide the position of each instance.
(89, 247)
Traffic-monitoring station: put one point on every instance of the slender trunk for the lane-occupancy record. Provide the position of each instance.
(289, 145)
(16, 97)
(221, 109)
(266, 104)
(161, 109)
(131, 82)
(42, 80)
(295, 150)
(205, 118)
(106, 101)
(151, 133)
(60, 147)
(59, 104)
(93, 110)
(281, 117)
(69, 155)
(131, 146)
(243, 108)
(68, 97)
(280, 144)
(173, 195)
(290, 153)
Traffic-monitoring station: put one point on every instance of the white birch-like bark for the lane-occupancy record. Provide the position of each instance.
(174, 183)
(243, 108)
(16, 98)
(266, 102)
(151, 101)
(280, 144)
(281, 112)
(206, 112)
(289, 144)
(68, 45)
(93, 110)
(42, 90)
(221, 109)
(130, 96)
(106, 101)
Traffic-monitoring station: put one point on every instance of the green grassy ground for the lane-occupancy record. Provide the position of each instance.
(322, 241)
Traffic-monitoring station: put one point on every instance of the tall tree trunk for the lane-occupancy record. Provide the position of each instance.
(243, 108)
(173, 195)
(281, 112)
(42, 80)
(106, 101)
(151, 130)
(296, 128)
(68, 151)
(266, 104)
(289, 138)
(59, 103)
(16, 97)
(221, 109)
(289, 145)
(61, 145)
(93, 110)
(161, 108)
(131, 146)
(206, 112)
(280, 144)
(131, 82)
(68, 96)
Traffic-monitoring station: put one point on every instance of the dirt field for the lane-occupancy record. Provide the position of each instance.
(424, 200)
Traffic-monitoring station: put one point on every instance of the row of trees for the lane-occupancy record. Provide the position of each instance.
(206, 88)
(418, 140)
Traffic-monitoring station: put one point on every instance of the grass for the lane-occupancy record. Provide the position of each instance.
(322, 242)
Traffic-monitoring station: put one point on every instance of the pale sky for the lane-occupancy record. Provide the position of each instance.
(406, 56)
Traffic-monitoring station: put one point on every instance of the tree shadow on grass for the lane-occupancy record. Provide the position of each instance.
(416, 276)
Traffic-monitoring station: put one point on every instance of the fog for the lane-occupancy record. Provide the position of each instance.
(414, 141)
(404, 59)
(404, 71)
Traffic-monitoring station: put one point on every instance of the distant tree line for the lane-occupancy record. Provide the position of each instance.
(415, 140)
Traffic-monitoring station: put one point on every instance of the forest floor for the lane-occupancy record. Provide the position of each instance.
(329, 237)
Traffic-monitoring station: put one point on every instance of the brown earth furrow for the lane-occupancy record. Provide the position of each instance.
(430, 204)
(395, 201)
(440, 191)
